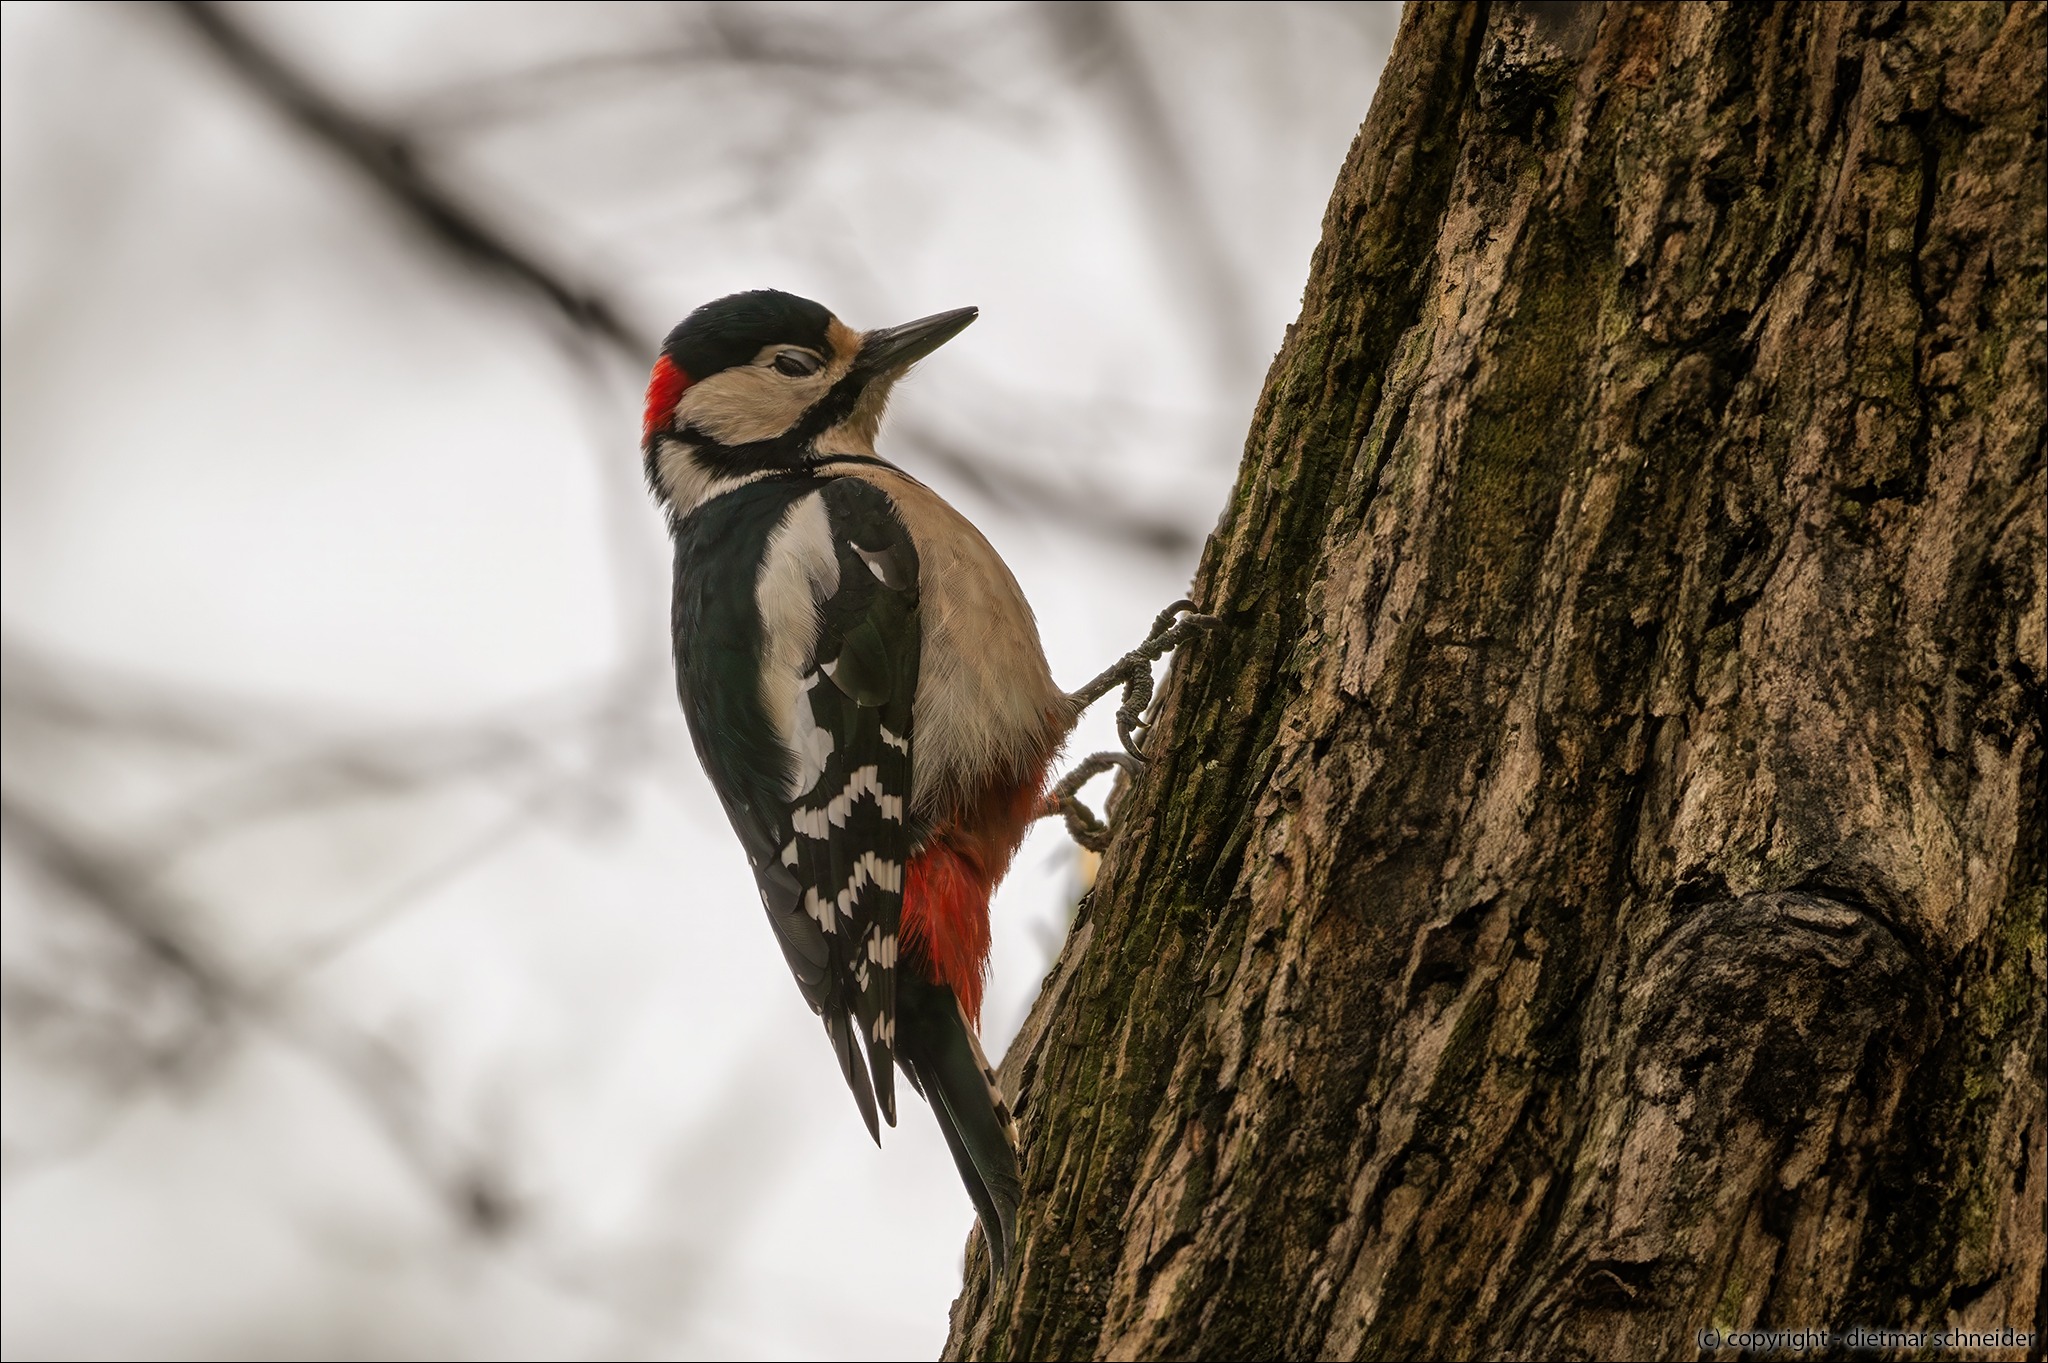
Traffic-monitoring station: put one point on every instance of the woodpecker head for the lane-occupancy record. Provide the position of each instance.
(766, 382)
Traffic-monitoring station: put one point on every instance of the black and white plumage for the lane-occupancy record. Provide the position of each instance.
(866, 690)
(836, 595)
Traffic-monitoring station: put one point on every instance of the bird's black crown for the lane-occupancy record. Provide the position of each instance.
(732, 330)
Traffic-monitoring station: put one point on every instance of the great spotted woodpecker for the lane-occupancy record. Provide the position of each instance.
(866, 690)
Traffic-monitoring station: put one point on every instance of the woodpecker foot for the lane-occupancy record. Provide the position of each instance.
(1133, 672)
(1064, 799)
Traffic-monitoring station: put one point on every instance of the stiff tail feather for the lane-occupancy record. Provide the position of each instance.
(939, 1052)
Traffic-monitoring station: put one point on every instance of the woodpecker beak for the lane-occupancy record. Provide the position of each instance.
(891, 350)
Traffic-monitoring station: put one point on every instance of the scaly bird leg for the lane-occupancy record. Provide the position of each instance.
(1134, 672)
(1065, 799)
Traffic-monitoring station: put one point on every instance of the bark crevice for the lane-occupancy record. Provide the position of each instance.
(1586, 892)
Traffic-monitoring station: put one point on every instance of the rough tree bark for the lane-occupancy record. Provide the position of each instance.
(1591, 889)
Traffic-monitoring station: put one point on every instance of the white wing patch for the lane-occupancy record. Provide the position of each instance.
(808, 743)
(799, 570)
(848, 779)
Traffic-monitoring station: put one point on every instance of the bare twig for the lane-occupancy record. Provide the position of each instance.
(1099, 40)
(1093, 508)
(150, 918)
(293, 763)
(393, 163)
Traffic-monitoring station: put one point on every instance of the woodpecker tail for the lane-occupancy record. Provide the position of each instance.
(940, 1054)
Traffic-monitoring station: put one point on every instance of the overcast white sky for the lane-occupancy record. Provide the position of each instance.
(335, 620)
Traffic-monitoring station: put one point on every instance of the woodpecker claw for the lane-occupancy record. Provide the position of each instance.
(1065, 799)
(1134, 669)
(1133, 672)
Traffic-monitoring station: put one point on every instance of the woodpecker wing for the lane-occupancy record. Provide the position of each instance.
(850, 738)
(799, 699)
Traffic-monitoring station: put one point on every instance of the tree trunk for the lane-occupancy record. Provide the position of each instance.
(1590, 890)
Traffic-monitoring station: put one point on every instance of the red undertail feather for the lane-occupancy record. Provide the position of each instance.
(945, 921)
(947, 888)
(664, 389)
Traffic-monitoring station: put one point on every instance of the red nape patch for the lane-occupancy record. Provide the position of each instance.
(664, 389)
(945, 922)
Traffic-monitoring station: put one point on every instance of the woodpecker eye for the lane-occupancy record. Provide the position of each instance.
(797, 363)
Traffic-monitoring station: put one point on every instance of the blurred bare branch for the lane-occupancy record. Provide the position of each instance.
(100, 882)
(1098, 40)
(199, 878)
(280, 765)
(1090, 506)
(288, 763)
(393, 162)
(831, 59)
(379, 1078)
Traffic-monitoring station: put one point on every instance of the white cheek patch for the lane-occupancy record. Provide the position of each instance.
(755, 402)
(746, 403)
